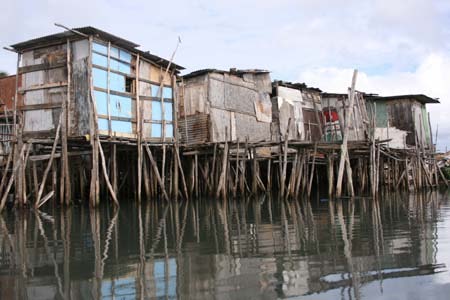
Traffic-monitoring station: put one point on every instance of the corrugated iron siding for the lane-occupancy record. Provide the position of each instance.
(194, 128)
(7, 91)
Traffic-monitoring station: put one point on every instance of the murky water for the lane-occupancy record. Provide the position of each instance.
(394, 248)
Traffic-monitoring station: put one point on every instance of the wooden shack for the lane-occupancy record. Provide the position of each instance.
(220, 105)
(61, 72)
(300, 107)
(334, 111)
(403, 120)
(77, 89)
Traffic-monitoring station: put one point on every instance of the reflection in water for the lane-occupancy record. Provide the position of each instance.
(249, 249)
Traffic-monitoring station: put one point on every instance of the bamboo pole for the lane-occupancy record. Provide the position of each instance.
(222, 178)
(50, 162)
(94, 191)
(11, 180)
(183, 179)
(344, 151)
(312, 170)
(284, 169)
(138, 132)
(156, 171)
(330, 175)
(105, 174)
(65, 174)
(5, 172)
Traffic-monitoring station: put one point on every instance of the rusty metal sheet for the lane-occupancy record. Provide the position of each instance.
(194, 129)
(263, 108)
(7, 91)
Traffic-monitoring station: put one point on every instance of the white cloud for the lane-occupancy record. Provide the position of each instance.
(397, 45)
(431, 77)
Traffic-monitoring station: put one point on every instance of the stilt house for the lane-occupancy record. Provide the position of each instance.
(299, 107)
(94, 80)
(403, 120)
(220, 105)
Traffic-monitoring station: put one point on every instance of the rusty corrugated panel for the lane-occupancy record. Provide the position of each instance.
(194, 129)
(311, 127)
(7, 92)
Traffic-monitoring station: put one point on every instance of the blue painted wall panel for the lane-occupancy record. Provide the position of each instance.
(101, 99)
(156, 111)
(102, 124)
(100, 78)
(99, 60)
(156, 130)
(168, 111)
(167, 92)
(120, 106)
(121, 126)
(100, 48)
(169, 131)
(116, 82)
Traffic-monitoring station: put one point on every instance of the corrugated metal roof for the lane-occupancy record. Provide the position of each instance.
(233, 71)
(295, 85)
(89, 30)
(418, 97)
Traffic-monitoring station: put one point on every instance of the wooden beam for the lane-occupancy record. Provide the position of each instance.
(43, 86)
(41, 67)
(40, 106)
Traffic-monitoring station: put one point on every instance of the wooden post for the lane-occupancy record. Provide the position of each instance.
(254, 171)
(344, 151)
(312, 170)
(183, 179)
(11, 179)
(284, 169)
(6, 168)
(330, 175)
(94, 193)
(50, 162)
(156, 171)
(236, 178)
(223, 175)
(105, 174)
(138, 132)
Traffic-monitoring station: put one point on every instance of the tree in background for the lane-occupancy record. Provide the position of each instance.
(3, 74)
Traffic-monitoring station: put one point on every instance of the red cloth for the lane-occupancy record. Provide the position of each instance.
(331, 116)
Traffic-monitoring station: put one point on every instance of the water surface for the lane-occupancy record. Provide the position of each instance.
(395, 248)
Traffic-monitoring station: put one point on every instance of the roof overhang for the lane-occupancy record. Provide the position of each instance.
(118, 41)
(418, 97)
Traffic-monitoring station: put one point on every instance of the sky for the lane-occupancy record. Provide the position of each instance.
(398, 47)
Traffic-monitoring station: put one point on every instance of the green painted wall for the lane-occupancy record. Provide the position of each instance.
(381, 112)
(426, 125)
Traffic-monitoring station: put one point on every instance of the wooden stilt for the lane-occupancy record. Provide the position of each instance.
(156, 172)
(344, 153)
(50, 162)
(105, 174)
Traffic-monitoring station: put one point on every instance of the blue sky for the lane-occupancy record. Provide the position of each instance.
(397, 47)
